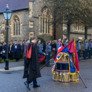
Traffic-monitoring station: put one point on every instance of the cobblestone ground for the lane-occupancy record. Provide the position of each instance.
(13, 82)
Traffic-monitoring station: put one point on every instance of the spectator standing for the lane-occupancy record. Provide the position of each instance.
(59, 43)
(91, 46)
(0, 50)
(79, 48)
(54, 49)
(48, 53)
(4, 53)
(90, 49)
(86, 47)
(40, 47)
(16, 49)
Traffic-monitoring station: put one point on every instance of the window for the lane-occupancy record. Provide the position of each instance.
(45, 21)
(16, 25)
(77, 27)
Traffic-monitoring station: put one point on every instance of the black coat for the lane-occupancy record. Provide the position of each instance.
(34, 71)
(4, 48)
(0, 51)
(16, 51)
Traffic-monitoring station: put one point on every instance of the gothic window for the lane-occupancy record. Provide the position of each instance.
(16, 25)
(77, 27)
(46, 21)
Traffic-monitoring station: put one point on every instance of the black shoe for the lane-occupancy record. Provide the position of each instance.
(25, 76)
(27, 85)
(36, 86)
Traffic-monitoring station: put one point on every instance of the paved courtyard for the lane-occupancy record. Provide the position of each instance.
(12, 81)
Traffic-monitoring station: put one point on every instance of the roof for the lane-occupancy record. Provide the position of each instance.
(14, 5)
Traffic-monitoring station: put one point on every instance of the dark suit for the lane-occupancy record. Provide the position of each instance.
(16, 49)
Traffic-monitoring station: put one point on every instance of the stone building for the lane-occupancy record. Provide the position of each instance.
(32, 17)
(41, 19)
(19, 22)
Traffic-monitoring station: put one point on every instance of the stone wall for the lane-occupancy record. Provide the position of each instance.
(35, 15)
(24, 24)
(23, 16)
(2, 28)
(35, 12)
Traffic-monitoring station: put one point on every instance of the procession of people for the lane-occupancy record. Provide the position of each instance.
(33, 59)
(35, 52)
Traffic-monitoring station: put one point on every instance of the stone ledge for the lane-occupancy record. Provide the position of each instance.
(13, 69)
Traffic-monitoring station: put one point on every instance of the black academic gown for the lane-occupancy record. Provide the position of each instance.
(34, 71)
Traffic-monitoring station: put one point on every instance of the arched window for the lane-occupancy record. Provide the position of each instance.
(46, 21)
(16, 25)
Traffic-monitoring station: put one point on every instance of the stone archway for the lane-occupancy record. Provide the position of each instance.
(16, 25)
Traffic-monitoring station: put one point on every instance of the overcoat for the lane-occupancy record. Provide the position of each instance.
(33, 70)
(16, 49)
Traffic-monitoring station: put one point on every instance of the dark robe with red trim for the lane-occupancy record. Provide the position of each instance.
(34, 71)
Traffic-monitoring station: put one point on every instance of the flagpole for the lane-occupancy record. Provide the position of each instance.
(44, 65)
(76, 67)
(82, 81)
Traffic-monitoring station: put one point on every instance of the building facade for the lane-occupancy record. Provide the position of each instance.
(19, 22)
(41, 19)
(32, 17)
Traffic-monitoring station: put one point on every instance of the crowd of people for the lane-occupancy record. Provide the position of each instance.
(84, 48)
(15, 50)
